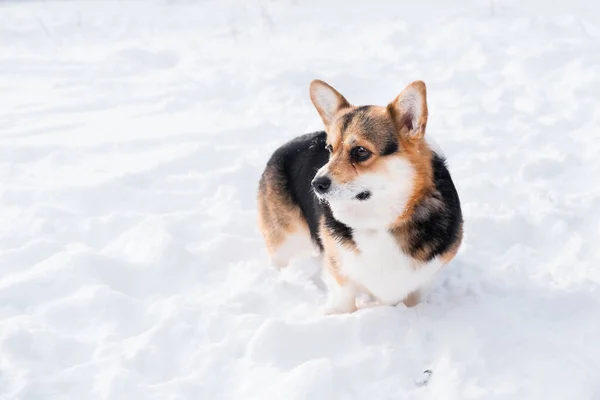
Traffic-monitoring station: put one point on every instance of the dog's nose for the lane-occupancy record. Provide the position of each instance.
(321, 184)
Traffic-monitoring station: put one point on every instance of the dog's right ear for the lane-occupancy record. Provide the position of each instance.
(326, 100)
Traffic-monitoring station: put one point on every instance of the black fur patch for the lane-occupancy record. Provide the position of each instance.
(390, 147)
(340, 231)
(436, 221)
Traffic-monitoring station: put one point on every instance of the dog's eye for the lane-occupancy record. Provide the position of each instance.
(329, 148)
(359, 154)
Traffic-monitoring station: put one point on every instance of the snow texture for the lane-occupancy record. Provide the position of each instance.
(132, 137)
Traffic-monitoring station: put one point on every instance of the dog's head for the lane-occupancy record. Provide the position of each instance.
(379, 161)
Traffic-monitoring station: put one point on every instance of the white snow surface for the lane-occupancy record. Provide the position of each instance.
(132, 137)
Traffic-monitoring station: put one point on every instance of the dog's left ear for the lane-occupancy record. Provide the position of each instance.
(409, 110)
(326, 100)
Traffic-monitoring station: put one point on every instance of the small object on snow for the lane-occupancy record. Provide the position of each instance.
(423, 380)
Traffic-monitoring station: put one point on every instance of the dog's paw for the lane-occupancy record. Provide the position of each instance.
(332, 309)
(278, 262)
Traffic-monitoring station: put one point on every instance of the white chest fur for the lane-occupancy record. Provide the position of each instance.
(383, 269)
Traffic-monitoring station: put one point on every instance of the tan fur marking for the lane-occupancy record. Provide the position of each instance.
(277, 215)
(419, 155)
(332, 256)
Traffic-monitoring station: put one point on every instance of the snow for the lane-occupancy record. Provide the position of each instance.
(132, 136)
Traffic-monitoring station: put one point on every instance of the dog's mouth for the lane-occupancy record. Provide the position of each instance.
(363, 196)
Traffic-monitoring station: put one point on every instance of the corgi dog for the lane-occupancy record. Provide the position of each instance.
(369, 194)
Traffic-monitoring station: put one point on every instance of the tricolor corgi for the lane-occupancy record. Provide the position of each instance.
(369, 193)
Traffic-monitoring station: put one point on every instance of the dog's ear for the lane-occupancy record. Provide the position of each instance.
(409, 111)
(326, 100)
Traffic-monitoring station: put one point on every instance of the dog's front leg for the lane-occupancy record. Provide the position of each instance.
(341, 296)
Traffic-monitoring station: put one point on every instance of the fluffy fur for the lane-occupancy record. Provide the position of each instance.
(369, 194)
